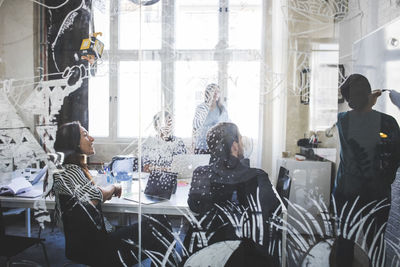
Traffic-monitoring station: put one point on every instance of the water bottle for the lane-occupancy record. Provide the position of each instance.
(110, 178)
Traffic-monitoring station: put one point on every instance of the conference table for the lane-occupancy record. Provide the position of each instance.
(177, 205)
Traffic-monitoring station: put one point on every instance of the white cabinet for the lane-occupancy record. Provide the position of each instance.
(310, 180)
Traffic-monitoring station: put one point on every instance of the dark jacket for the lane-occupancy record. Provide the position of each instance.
(369, 156)
(218, 182)
(230, 184)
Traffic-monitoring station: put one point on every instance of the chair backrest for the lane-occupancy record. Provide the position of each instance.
(2, 227)
(84, 229)
(123, 163)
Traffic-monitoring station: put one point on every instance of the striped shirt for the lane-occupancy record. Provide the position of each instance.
(71, 181)
(204, 119)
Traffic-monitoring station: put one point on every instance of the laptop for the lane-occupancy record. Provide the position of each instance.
(185, 164)
(145, 199)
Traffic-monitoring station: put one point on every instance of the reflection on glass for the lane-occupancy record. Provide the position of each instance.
(130, 24)
(245, 20)
(128, 99)
(191, 81)
(98, 101)
(197, 25)
(101, 15)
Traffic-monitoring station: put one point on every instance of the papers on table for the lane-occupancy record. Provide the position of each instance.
(17, 186)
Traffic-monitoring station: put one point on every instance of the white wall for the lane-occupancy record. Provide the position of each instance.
(364, 17)
(16, 39)
(17, 53)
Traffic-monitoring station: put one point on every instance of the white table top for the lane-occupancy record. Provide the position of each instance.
(177, 205)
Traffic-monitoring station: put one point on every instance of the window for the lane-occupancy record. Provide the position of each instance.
(99, 102)
(169, 52)
(324, 86)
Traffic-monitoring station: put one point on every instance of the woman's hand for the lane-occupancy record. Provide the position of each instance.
(111, 190)
(117, 190)
(374, 97)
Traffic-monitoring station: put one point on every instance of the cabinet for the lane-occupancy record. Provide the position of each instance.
(310, 180)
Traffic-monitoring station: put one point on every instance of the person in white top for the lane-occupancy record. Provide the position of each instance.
(159, 150)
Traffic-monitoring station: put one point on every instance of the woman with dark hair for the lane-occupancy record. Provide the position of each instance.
(78, 202)
(76, 144)
(369, 158)
(207, 114)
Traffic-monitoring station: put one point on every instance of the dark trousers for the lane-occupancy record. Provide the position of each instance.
(156, 236)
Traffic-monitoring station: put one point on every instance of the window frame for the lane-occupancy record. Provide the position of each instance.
(222, 56)
(315, 107)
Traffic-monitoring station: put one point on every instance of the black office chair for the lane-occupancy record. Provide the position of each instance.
(84, 232)
(11, 245)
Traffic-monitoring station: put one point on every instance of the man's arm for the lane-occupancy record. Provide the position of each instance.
(268, 200)
(200, 200)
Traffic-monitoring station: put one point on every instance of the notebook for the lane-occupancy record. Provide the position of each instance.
(17, 186)
(185, 164)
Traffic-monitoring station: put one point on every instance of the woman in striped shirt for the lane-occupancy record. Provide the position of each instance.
(79, 201)
(207, 114)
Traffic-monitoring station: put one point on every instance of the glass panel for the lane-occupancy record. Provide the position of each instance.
(99, 101)
(196, 25)
(192, 78)
(243, 101)
(101, 15)
(129, 16)
(149, 73)
(245, 21)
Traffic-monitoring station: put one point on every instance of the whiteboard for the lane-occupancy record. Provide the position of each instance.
(377, 57)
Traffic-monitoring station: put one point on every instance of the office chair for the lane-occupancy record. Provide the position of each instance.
(11, 245)
(83, 240)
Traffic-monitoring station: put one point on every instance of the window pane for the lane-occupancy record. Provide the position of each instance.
(324, 84)
(244, 96)
(128, 105)
(245, 21)
(101, 15)
(99, 102)
(196, 25)
(191, 81)
(129, 37)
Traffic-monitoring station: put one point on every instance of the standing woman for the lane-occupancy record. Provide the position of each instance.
(209, 113)
(78, 201)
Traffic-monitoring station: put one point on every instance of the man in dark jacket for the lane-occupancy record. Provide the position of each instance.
(228, 188)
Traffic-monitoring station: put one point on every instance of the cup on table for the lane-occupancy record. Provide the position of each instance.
(126, 186)
(125, 179)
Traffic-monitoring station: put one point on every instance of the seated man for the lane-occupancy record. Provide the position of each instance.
(158, 151)
(228, 188)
